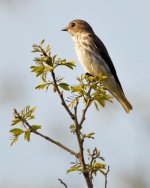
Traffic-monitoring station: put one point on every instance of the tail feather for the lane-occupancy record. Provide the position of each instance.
(123, 101)
(125, 104)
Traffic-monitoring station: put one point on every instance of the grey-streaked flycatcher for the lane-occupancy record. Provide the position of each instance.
(94, 58)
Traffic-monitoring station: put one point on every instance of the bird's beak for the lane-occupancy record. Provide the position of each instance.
(65, 29)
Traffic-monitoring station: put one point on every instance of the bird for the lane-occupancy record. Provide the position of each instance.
(95, 59)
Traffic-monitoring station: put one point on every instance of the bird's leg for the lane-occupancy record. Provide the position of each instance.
(88, 82)
(88, 74)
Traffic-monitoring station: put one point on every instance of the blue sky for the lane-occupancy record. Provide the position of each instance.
(123, 138)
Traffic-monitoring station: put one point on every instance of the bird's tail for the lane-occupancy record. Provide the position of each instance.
(123, 101)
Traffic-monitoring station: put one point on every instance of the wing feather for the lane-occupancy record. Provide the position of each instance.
(104, 54)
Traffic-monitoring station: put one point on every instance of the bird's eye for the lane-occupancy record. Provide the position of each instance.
(73, 24)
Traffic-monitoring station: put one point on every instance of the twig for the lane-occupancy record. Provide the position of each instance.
(46, 137)
(81, 154)
(86, 108)
(106, 177)
(81, 158)
(61, 97)
(76, 107)
(57, 143)
(93, 157)
(83, 164)
(63, 183)
(84, 112)
(78, 133)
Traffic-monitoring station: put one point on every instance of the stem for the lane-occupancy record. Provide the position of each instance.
(81, 158)
(78, 128)
(80, 143)
(86, 108)
(61, 97)
(84, 112)
(56, 143)
(92, 159)
(63, 183)
(106, 177)
(46, 137)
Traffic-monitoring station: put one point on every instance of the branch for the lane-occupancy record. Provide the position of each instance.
(85, 109)
(81, 148)
(84, 112)
(62, 183)
(46, 137)
(61, 97)
(57, 143)
(92, 159)
(41, 69)
(81, 158)
(78, 128)
(76, 108)
(106, 177)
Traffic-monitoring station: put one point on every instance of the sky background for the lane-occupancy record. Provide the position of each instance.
(124, 139)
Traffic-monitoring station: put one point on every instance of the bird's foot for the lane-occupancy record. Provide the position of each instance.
(88, 74)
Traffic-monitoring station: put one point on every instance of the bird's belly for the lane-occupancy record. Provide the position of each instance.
(84, 59)
(95, 65)
(91, 63)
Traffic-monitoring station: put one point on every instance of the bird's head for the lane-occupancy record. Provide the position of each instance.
(78, 26)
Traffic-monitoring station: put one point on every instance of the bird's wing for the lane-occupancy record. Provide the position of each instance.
(104, 54)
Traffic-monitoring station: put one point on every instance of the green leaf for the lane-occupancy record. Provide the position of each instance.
(70, 64)
(104, 173)
(99, 166)
(63, 61)
(100, 99)
(38, 70)
(27, 135)
(77, 88)
(35, 49)
(41, 86)
(53, 58)
(96, 106)
(47, 48)
(74, 168)
(36, 127)
(16, 131)
(29, 112)
(15, 121)
(14, 140)
(65, 86)
(104, 77)
(90, 135)
(72, 128)
(48, 68)
(42, 42)
(72, 103)
(102, 102)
